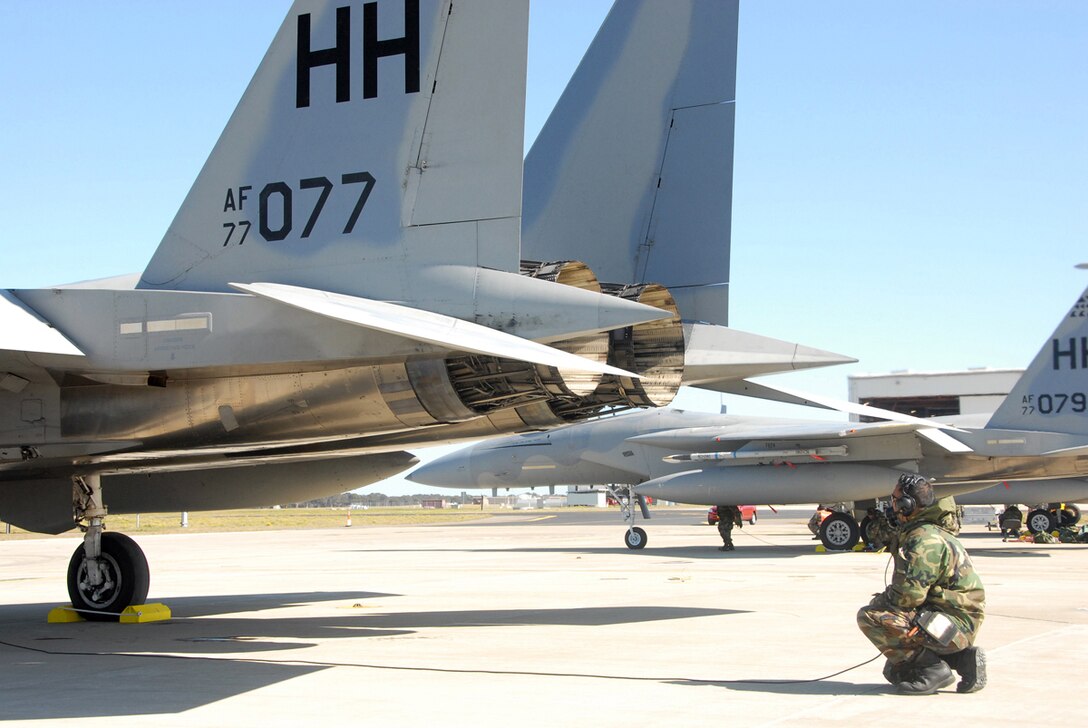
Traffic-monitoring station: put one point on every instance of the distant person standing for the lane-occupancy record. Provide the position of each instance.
(728, 516)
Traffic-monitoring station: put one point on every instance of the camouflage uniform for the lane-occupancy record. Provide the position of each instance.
(728, 516)
(932, 571)
(879, 532)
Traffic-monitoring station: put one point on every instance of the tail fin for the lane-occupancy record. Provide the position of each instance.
(633, 171)
(1052, 395)
(375, 137)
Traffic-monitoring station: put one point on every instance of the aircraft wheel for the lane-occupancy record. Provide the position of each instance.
(1040, 520)
(1068, 516)
(863, 529)
(126, 573)
(635, 538)
(870, 531)
(839, 532)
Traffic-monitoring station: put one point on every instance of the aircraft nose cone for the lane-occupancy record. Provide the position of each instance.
(488, 466)
(448, 471)
(475, 466)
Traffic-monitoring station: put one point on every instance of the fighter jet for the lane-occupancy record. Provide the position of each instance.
(345, 277)
(1033, 449)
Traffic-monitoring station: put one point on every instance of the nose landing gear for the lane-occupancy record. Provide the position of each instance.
(635, 537)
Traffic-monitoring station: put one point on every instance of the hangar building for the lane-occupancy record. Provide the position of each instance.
(934, 394)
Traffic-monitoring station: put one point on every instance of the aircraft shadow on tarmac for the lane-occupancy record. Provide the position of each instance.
(127, 685)
(709, 551)
(186, 663)
(19, 615)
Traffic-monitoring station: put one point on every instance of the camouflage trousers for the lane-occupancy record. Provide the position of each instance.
(895, 635)
(725, 530)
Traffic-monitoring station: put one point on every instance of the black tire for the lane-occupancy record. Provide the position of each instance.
(127, 579)
(1068, 516)
(1040, 520)
(870, 530)
(635, 538)
(863, 529)
(839, 532)
(753, 519)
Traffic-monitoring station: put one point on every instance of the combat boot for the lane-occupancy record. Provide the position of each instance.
(971, 665)
(894, 672)
(925, 675)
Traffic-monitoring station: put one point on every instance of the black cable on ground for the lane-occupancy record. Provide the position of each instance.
(366, 666)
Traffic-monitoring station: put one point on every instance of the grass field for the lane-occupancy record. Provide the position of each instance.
(258, 519)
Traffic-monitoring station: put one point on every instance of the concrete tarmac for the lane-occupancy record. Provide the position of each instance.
(521, 621)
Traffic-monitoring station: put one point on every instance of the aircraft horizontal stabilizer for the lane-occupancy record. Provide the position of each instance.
(425, 326)
(789, 396)
(26, 331)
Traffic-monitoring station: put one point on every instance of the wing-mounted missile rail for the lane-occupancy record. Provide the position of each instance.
(780, 455)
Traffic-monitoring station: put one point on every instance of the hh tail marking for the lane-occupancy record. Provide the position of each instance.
(1069, 355)
(339, 55)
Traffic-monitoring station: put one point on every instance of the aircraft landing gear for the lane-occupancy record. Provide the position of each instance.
(1067, 514)
(839, 532)
(1041, 520)
(635, 537)
(108, 572)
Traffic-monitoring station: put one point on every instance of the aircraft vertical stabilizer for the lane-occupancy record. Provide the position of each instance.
(1052, 395)
(633, 171)
(375, 138)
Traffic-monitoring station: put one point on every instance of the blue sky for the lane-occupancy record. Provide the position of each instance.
(909, 185)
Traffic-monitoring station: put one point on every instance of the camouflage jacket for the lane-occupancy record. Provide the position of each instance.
(730, 514)
(932, 569)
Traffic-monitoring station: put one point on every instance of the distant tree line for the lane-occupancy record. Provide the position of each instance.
(377, 500)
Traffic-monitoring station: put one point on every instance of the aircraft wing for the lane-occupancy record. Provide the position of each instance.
(715, 438)
(426, 326)
(785, 439)
(791, 396)
(25, 331)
